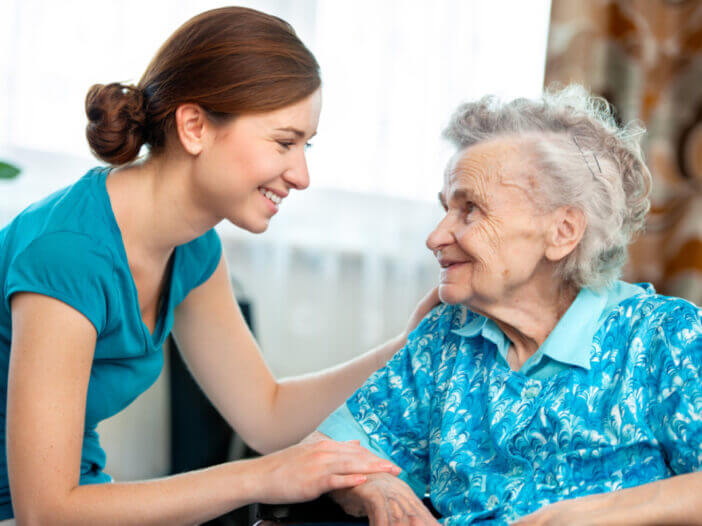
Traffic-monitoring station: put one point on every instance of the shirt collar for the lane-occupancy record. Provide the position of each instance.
(571, 339)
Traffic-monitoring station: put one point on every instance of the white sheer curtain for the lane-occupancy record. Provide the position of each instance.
(344, 262)
(393, 71)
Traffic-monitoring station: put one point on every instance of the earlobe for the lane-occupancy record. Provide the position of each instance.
(565, 233)
(190, 125)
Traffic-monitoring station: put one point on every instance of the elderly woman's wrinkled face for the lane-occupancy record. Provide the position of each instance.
(491, 242)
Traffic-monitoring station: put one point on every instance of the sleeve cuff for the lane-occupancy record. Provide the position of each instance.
(342, 426)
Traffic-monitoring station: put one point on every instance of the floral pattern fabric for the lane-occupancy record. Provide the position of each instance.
(491, 444)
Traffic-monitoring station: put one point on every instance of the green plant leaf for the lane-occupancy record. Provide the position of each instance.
(8, 171)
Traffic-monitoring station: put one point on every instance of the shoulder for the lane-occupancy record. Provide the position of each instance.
(75, 252)
(69, 266)
(203, 250)
(675, 331)
(77, 207)
(428, 342)
(661, 329)
(440, 321)
(650, 311)
(204, 244)
(198, 260)
(73, 216)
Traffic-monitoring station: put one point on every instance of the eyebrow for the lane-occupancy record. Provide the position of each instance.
(297, 132)
(459, 195)
(463, 193)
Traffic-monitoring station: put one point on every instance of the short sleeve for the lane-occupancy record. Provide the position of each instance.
(393, 407)
(200, 259)
(67, 266)
(675, 412)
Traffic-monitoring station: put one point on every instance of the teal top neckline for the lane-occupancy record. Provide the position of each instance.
(165, 310)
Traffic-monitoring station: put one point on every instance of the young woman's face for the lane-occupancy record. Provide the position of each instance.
(255, 160)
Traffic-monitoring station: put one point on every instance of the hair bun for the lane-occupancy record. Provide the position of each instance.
(116, 122)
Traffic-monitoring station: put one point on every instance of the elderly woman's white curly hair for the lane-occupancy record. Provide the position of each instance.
(583, 159)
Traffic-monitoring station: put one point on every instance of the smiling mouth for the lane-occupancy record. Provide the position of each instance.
(447, 265)
(276, 199)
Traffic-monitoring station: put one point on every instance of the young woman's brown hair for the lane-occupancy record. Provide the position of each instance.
(230, 61)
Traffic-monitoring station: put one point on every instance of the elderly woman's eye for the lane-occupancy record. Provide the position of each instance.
(469, 208)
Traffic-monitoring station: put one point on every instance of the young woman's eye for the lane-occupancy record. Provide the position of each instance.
(308, 145)
(285, 144)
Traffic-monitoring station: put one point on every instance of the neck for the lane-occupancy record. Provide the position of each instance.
(528, 315)
(153, 204)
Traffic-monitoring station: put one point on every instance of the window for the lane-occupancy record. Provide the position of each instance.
(393, 70)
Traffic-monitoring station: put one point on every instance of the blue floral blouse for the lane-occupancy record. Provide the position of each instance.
(613, 400)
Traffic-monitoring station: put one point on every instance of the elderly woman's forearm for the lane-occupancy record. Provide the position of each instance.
(675, 500)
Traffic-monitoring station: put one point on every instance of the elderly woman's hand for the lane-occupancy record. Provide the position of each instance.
(385, 500)
(584, 511)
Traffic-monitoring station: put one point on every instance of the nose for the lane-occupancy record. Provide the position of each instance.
(297, 175)
(441, 236)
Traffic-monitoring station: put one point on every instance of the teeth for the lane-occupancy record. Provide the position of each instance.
(270, 195)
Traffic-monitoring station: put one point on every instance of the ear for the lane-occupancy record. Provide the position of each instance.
(191, 123)
(565, 232)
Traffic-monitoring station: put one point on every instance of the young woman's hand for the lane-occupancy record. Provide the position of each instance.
(306, 471)
(385, 500)
(428, 302)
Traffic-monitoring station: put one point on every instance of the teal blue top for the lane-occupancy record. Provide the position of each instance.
(69, 246)
(568, 345)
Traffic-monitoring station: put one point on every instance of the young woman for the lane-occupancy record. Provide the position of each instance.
(97, 274)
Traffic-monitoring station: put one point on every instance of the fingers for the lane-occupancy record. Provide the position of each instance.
(429, 301)
(378, 514)
(351, 457)
(398, 514)
(422, 514)
(399, 510)
(387, 501)
(417, 514)
(335, 482)
(346, 464)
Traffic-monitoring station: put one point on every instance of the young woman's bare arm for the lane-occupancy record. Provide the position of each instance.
(51, 358)
(226, 361)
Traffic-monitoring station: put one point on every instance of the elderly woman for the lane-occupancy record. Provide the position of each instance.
(543, 390)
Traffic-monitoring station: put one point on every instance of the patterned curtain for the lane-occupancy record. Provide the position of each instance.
(645, 57)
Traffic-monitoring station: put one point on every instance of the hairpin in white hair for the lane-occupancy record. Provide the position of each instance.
(586, 161)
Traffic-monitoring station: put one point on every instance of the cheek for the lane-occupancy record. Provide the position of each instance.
(481, 240)
(246, 161)
(523, 249)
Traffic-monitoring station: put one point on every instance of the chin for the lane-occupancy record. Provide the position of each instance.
(257, 227)
(449, 295)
